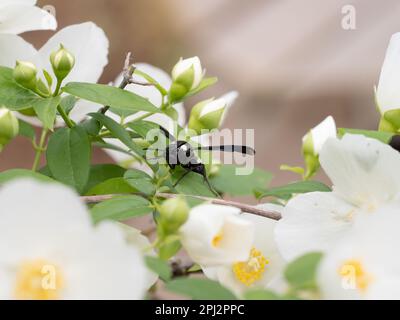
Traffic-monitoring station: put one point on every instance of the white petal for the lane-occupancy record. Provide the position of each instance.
(371, 243)
(19, 18)
(33, 216)
(264, 241)
(13, 48)
(230, 99)
(363, 170)
(107, 268)
(312, 222)
(135, 238)
(212, 106)
(322, 132)
(89, 45)
(208, 221)
(25, 2)
(388, 91)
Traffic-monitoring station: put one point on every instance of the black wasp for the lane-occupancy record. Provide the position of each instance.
(181, 153)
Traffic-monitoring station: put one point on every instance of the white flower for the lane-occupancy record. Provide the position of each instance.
(135, 238)
(86, 41)
(365, 264)
(320, 134)
(188, 70)
(364, 176)
(215, 235)
(388, 90)
(263, 265)
(50, 251)
(18, 16)
(154, 97)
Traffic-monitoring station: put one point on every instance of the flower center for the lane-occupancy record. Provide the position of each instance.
(216, 241)
(250, 271)
(38, 280)
(354, 275)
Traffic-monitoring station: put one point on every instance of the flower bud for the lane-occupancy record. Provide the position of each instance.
(313, 142)
(210, 114)
(25, 74)
(173, 213)
(8, 126)
(187, 75)
(62, 62)
(390, 121)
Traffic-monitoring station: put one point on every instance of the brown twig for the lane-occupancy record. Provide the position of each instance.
(244, 207)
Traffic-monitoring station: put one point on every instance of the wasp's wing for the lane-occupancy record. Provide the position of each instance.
(229, 148)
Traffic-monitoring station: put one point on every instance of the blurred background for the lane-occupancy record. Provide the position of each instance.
(291, 61)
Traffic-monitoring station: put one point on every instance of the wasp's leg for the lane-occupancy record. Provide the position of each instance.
(181, 178)
(210, 186)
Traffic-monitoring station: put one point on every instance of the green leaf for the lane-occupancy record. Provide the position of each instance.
(143, 127)
(160, 267)
(205, 83)
(181, 91)
(114, 97)
(118, 131)
(15, 97)
(169, 247)
(46, 111)
(12, 95)
(102, 172)
(26, 130)
(227, 181)
(12, 174)
(286, 192)
(112, 186)
(68, 157)
(191, 184)
(297, 170)
(200, 289)
(261, 294)
(48, 78)
(301, 273)
(68, 103)
(104, 145)
(140, 180)
(378, 135)
(121, 208)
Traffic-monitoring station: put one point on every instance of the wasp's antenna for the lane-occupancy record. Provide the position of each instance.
(167, 134)
(229, 148)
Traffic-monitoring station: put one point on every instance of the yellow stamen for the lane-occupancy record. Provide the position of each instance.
(38, 280)
(216, 241)
(354, 271)
(251, 270)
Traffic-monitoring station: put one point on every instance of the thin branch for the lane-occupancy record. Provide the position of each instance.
(140, 83)
(129, 69)
(244, 207)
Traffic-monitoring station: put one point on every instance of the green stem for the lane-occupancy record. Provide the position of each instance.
(58, 87)
(152, 81)
(39, 150)
(65, 117)
(60, 110)
(144, 116)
